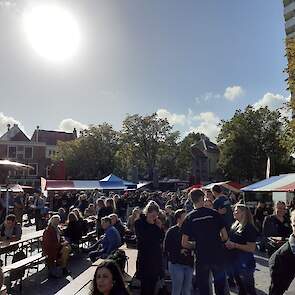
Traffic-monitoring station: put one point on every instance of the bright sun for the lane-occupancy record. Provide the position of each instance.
(52, 32)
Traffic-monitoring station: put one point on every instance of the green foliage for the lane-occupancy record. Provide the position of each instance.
(247, 139)
(92, 155)
(147, 141)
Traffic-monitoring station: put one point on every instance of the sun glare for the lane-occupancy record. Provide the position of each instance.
(52, 32)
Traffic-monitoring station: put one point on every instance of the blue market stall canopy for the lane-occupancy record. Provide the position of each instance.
(280, 183)
(113, 180)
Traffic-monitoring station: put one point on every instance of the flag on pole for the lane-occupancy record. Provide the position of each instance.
(268, 167)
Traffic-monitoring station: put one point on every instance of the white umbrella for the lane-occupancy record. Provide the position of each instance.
(14, 165)
(11, 165)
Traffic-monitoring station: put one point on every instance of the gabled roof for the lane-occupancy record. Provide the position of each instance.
(197, 151)
(52, 137)
(14, 134)
(207, 145)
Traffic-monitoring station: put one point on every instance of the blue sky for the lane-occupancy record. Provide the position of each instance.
(177, 58)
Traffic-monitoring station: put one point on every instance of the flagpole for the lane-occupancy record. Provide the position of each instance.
(267, 168)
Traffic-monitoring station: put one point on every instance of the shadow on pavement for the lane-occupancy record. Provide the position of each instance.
(39, 283)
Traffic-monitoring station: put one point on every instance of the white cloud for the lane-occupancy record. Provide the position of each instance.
(173, 119)
(68, 125)
(272, 101)
(4, 120)
(275, 102)
(233, 92)
(207, 124)
(207, 97)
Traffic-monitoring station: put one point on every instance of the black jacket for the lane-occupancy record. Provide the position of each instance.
(173, 247)
(282, 269)
(272, 227)
(149, 257)
(121, 229)
(74, 232)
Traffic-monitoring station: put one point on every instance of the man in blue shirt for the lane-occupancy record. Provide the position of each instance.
(222, 205)
(108, 242)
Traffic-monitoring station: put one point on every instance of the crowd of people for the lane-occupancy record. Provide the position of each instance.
(196, 237)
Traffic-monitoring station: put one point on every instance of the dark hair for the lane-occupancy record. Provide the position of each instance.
(118, 282)
(150, 207)
(196, 195)
(106, 219)
(178, 213)
(10, 217)
(72, 217)
(217, 188)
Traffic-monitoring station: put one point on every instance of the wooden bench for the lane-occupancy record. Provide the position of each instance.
(88, 237)
(3, 290)
(26, 240)
(81, 284)
(24, 264)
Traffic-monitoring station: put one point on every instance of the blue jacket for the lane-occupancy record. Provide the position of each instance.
(110, 241)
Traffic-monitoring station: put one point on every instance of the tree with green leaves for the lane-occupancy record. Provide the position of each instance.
(148, 142)
(184, 157)
(248, 139)
(92, 155)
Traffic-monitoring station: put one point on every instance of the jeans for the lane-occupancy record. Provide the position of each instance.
(181, 276)
(203, 272)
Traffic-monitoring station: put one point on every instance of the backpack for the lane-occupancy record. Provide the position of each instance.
(17, 274)
(120, 258)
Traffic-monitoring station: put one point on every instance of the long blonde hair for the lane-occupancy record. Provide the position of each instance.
(247, 217)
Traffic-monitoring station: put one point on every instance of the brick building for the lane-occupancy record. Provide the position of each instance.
(36, 152)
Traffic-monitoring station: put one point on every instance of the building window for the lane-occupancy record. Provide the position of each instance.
(48, 171)
(20, 148)
(20, 157)
(33, 172)
(28, 152)
(12, 152)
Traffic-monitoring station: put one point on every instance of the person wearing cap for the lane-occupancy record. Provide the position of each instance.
(39, 205)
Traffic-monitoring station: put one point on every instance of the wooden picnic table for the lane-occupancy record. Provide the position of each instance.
(83, 281)
(7, 247)
(81, 285)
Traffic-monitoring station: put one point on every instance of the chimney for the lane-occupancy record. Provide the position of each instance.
(15, 125)
(8, 127)
(37, 134)
(75, 133)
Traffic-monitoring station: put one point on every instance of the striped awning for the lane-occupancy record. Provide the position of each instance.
(280, 183)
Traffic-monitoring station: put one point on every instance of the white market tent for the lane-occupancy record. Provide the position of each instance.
(111, 182)
(230, 185)
(280, 183)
